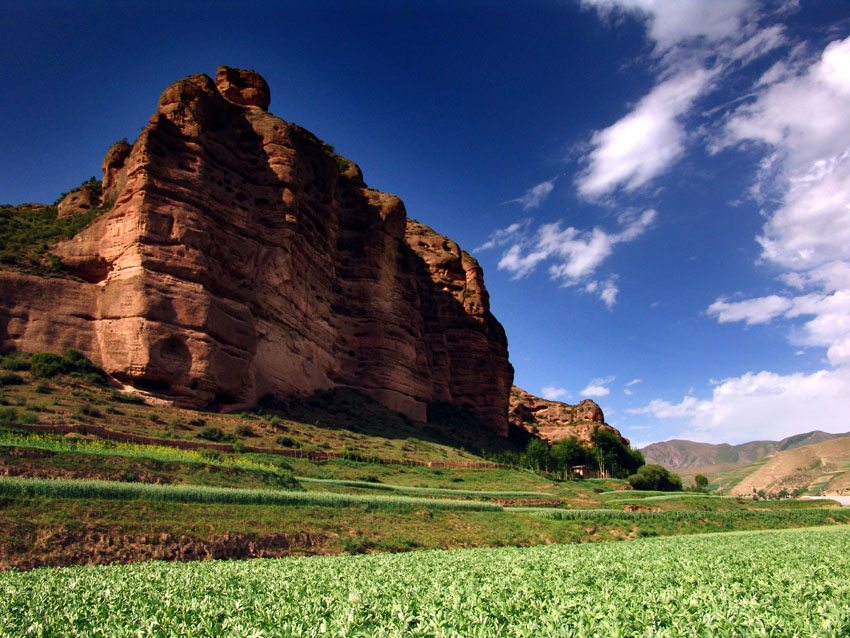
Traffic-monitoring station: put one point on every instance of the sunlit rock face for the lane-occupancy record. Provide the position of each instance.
(553, 421)
(242, 256)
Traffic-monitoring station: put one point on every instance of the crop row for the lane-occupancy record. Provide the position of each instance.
(103, 447)
(787, 583)
(797, 517)
(56, 488)
(422, 490)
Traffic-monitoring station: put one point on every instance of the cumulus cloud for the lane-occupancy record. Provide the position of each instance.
(578, 253)
(696, 44)
(801, 118)
(536, 195)
(645, 142)
(762, 405)
(505, 235)
(797, 114)
(598, 388)
(553, 393)
(759, 310)
(672, 23)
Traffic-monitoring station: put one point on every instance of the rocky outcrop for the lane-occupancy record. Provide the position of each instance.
(242, 256)
(78, 201)
(553, 421)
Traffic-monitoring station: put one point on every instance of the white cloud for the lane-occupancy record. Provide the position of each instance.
(627, 389)
(644, 143)
(536, 195)
(505, 235)
(798, 114)
(697, 43)
(801, 117)
(759, 310)
(762, 405)
(671, 22)
(553, 393)
(577, 254)
(597, 388)
(609, 294)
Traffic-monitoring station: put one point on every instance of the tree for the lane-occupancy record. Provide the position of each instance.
(537, 454)
(614, 458)
(701, 482)
(568, 453)
(655, 477)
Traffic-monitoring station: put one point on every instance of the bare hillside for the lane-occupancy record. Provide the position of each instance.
(821, 468)
(678, 454)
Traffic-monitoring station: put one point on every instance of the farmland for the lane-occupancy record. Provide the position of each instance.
(784, 583)
(207, 485)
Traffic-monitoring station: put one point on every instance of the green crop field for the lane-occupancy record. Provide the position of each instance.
(785, 583)
(77, 489)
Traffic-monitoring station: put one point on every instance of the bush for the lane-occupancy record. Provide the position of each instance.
(245, 430)
(89, 410)
(43, 388)
(199, 422)
(286, 441)
(655, 477)
(217, 435)
(10, 378)
(212, 455)
(16, 362)
(48, 365)
(210, 433)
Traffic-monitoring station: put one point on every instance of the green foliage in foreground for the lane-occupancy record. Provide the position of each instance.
(54, 488)
(423, 490)
(787, 583)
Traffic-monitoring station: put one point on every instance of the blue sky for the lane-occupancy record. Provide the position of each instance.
(658, 191)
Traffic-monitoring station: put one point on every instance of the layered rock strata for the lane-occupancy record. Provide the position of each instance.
(242, 256)
(553, 421)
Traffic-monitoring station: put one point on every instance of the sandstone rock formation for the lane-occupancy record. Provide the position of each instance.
(77, 201)
(553, 421)
(242, 256)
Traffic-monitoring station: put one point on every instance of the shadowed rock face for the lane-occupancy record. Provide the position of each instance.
(243, 257)
(553, 421)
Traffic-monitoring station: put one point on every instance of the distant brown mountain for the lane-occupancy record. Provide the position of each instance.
(818, 469)
(678, 454)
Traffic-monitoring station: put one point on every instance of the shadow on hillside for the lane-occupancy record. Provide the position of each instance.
(349, 409)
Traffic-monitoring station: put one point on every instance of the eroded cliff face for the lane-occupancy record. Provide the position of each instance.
(242, 256)
(553, 421)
